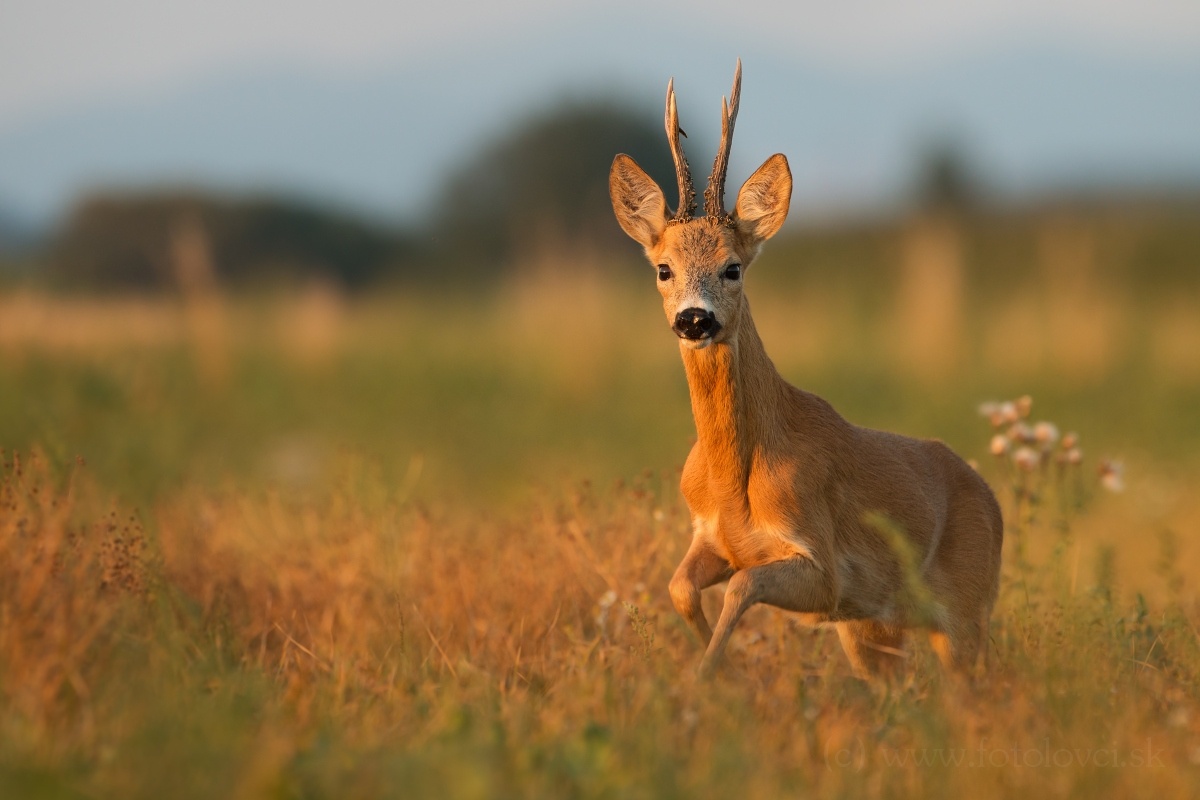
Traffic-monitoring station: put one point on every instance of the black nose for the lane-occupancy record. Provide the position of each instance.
(695, 323)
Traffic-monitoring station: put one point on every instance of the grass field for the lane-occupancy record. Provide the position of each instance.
(417, 544)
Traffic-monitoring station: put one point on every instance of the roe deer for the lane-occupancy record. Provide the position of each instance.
(790, 503)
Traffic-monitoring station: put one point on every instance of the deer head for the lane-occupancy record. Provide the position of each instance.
(701, 260)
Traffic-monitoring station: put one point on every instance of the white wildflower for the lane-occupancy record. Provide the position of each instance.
(1112, 475)
(1021, 433)
(1026, 459)
(1024, 405)
(604, 605)
(999, 413)
(1045, 433)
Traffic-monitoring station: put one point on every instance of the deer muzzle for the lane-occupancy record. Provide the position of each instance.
(695, 324)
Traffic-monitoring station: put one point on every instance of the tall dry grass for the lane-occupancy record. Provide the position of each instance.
(264, 643)
(65, 587)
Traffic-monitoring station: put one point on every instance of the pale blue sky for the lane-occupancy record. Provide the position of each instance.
(57, 52)
(368, 103)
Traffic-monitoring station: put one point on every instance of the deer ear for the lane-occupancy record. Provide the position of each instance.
(637, 201)
(762, 203)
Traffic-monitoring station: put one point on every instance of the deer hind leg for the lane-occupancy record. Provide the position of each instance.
(875, 649)
(701, 567)
(958, 642)
(793, 584)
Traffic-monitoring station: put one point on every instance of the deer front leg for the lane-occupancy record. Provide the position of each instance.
(794, 584)
(701, 567)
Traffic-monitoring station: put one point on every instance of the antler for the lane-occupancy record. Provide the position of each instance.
(687, 194)
(714, 194)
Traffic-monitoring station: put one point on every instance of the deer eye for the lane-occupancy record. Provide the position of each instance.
(733, 272)
(664, 272)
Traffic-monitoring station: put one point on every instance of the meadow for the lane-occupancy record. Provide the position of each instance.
(416, 542)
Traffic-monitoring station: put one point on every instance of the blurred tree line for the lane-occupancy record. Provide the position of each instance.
(125, 240)
(543, 183)
(529, 198)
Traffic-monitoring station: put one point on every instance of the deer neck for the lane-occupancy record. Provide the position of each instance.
(735, 391)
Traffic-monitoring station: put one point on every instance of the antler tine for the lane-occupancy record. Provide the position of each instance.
(714, 194)
(683, 174)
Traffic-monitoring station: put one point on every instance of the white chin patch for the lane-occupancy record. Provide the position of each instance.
(697, 344)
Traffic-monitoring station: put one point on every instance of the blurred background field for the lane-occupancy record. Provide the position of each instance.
(341, 426)
(566, 369)
(310, 541)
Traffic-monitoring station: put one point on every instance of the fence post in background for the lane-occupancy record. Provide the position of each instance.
(927, 330)
(203, 305)
(1083, 324)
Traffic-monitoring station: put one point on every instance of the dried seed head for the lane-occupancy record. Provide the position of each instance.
(1024, 405)
(999, 445)
(1070, 441)
(1075, 456)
